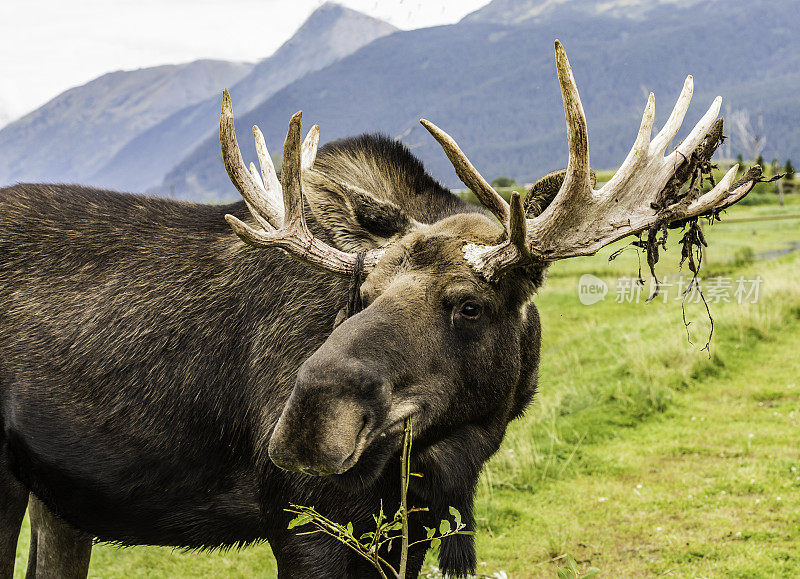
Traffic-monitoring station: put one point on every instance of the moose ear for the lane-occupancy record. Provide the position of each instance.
(545, 190)
(353, 219)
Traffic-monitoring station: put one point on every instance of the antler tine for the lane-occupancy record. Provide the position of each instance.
(261, 221)
(269, 177)
(246, 233)
(293, 235)
(310, 145)
(577, 180)
(741, 188)
(240, 176)
(640, 149)
(580, 221)
(490, 261)
(709, 201)
(675, 120)
(642, 143)
(468, 174)
(290, 175)
(517, 225)
(254, 173)
(698, 133)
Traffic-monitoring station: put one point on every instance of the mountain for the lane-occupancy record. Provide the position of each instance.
(493, 87)
(5, 117)
(77, 132)
(528, 11)
(6, 114)
(330, 33)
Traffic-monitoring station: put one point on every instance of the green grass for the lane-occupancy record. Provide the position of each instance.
(162, 562)
(641, 455)
(626, 401)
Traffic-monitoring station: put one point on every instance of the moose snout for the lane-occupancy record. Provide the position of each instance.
(327, 423)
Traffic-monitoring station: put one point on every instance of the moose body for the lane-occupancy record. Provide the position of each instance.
(163, 383)
(146, 355)
(169, 349)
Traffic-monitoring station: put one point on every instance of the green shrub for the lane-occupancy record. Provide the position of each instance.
(503, 182)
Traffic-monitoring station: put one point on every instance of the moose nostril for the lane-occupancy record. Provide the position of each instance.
(281, 458)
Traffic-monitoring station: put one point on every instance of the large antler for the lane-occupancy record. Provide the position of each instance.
(277, 204)
(581, 220)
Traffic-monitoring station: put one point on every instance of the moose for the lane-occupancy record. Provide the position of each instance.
(163, 383)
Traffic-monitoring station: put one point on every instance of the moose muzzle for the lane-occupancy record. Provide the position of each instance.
(335, 410)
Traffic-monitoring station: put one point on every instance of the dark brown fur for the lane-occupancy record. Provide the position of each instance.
(146, 355)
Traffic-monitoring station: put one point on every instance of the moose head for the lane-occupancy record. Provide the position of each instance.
(448, 335)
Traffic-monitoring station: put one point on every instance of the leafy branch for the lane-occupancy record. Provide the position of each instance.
(369, 544)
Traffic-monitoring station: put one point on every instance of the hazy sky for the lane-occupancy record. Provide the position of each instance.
(47, 46)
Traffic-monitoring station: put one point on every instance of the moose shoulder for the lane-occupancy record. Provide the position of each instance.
(162, 382)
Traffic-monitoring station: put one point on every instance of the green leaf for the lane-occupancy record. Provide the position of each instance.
(444, 527)
(350, 529)
(435, 543)
(367, 535)
(591, 572)
(429, 532)
(299, 520)
(395, 526)
(456, 516)
(569, 570)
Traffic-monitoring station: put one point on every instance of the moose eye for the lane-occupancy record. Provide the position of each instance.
(470, 310)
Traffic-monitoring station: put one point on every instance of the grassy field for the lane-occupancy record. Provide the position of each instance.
(642, 455)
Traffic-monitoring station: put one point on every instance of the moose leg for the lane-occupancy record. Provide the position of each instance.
(13, 498)
(57, 550)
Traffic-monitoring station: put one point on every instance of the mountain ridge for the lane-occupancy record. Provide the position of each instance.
(132, 150)
(502, 104)
(521, 11)
(84, 126)
(332, 30)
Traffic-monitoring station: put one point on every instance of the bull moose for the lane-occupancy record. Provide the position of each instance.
(163, 383)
